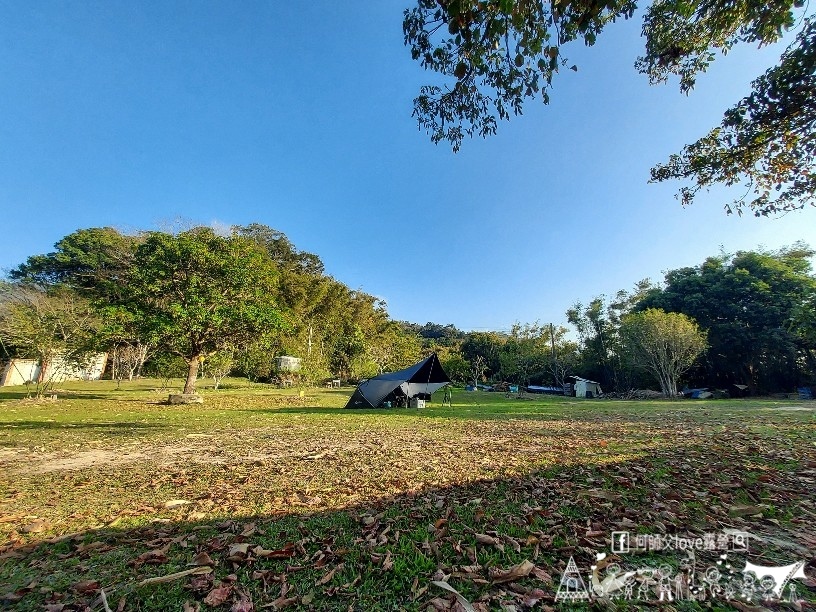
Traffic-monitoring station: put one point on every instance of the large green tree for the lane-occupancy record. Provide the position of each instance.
(280, 249)
(664, 344)
(393, 348)
(196, 293)
(755, 307)
(494, 55)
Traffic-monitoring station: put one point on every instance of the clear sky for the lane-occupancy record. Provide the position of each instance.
(298, 115)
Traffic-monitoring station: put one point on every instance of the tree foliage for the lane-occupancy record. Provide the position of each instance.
(441, 335)
(218, 365)
(753, 305)
(280, 249)
(251, 296)
(525, 353)
(93, 261)
(767, 140)
(564, 356)
(56, 328)
(500, 52)
(393, 348)
(196, 293)
(602, 357)
(497, 54)
(664, 344)
(482, 350)
(334, 329)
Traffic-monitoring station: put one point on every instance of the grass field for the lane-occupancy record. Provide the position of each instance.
(268, 500)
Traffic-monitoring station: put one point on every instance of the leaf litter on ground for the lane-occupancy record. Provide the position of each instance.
(387, 505)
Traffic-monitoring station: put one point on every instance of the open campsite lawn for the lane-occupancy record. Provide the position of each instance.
(268, 497)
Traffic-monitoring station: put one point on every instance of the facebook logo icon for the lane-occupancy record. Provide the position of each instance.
(620, 541)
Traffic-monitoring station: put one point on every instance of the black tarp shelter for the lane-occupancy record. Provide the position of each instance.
(421, 379)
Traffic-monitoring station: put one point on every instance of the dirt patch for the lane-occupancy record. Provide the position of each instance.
(22, 462)
(80, 460)
(800, 408)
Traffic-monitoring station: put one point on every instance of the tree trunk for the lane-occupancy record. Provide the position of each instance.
(192, 374)
(143, 349)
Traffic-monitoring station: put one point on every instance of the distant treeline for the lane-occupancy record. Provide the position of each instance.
(755, 310)
(200, 302)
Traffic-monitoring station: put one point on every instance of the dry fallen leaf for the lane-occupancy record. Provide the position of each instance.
(533, 597)
(601, 494)
(201, 583)
(244, 604)
(84, 549)
(175, 503)
(86, 587)
(238, 549)
(202, 558)
(153, 557)
(466, 605)
(218, 595)
(13, 597)
(514, 573)
(35, 526)
(281, 602)
(286, 552)
(388, 563)
(437, 603)
(541, 575)
(329, 575)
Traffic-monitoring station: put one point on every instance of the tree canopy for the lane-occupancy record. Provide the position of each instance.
(753, 305)
(664, 344)
(245, 298)
(92, 260)
(197, 293)
(497, 54)
(154, 291)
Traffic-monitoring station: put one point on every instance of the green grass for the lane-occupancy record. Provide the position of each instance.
(389, 499)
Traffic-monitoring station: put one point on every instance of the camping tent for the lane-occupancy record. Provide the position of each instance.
(421, 379)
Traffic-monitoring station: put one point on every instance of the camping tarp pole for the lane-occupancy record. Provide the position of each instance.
(428, 381)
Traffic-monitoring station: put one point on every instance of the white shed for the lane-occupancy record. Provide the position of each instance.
(22, 371)
(285, 363)
(586, 388)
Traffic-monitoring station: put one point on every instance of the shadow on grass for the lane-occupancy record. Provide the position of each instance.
(381, 554)
(110, 426)
(61, 396)
(504, 410)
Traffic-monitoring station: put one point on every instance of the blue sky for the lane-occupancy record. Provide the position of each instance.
(298, 115)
